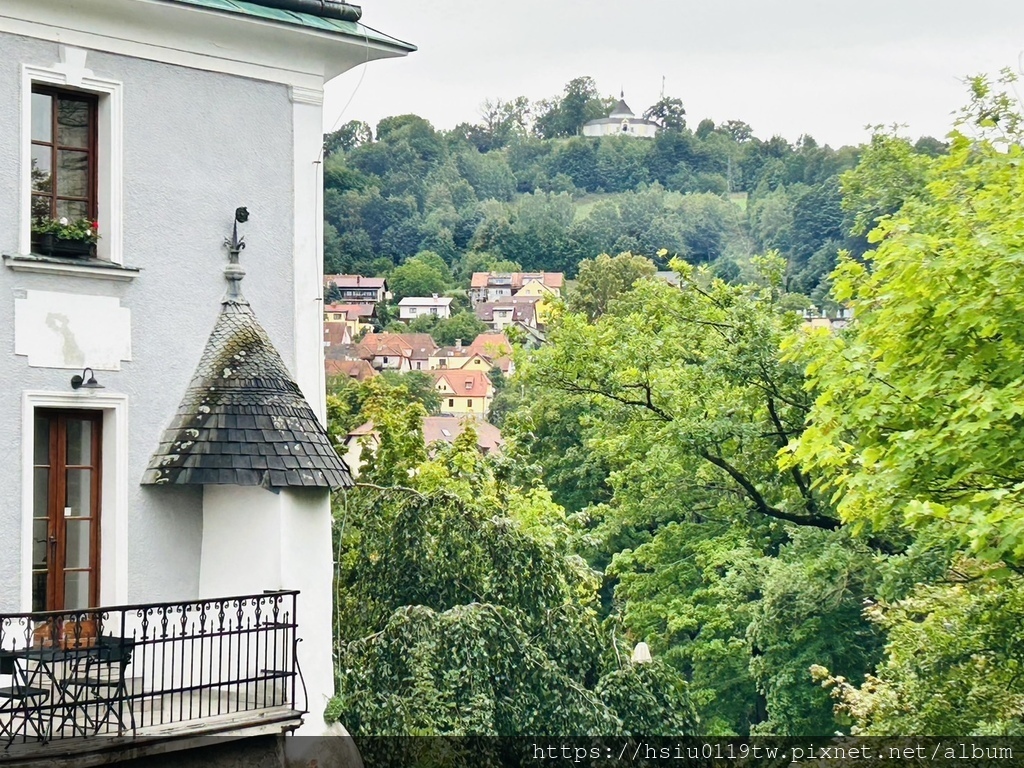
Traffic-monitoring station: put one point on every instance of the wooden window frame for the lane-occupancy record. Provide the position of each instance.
(91, 149)
(57, 525)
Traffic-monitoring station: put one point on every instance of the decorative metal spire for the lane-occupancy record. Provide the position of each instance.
(235, 244)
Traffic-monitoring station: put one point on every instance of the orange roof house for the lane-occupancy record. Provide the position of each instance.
(463, 392)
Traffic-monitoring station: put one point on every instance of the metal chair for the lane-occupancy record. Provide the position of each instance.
(21, 704)
(98, 689)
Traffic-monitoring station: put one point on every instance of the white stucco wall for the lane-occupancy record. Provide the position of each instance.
(196, 146)
(255, 540)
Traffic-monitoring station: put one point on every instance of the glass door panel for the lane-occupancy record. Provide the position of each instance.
(65, 527)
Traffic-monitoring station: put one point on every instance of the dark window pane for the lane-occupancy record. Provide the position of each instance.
(41, 447)
(79, 441)
(72, 209)
(72, 173)
(73, 123)
(39, 591)
(42, 172)
(40, 491)
(40, 542)
(42, 117)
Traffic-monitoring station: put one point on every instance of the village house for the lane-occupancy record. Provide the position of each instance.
(355, 370)
(356, 289)
(165, 533)
(462, 392)
(357, 318)
(495, 286)
(513, 311)
(436, 429)
(399, 352)
(412, 307)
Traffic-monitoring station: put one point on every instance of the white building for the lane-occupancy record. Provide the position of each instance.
(412, 307)
(621, 122)
(167, 474)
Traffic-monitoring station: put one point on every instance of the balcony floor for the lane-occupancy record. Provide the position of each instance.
(152, 739)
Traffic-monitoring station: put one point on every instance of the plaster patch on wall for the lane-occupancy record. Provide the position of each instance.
(70, 330)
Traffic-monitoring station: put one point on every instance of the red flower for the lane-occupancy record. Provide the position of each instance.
(96, 225)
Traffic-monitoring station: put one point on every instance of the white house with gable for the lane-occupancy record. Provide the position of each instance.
(165, 523)
(412, 307)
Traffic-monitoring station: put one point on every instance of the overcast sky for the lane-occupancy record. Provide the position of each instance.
(822, 67)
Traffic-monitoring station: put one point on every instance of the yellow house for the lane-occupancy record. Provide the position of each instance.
(355, 317)
(464, 392)
(455, 359)
(543, 292)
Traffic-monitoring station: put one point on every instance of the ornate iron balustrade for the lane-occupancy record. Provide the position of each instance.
(131, 669)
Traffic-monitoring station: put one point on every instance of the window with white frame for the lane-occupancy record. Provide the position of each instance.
(71, 154)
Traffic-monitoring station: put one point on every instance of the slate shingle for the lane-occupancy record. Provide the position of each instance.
(243, 419)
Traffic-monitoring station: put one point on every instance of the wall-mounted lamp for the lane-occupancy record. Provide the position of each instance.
(81, 382)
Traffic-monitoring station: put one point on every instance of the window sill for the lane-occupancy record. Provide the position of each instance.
(95, 268)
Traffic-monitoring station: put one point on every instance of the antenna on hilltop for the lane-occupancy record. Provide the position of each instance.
(663, 86)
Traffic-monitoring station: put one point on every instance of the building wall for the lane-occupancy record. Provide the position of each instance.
(196, 146)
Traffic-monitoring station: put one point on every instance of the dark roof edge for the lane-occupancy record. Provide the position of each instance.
(327, 9)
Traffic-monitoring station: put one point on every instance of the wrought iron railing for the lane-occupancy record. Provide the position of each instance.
(124, 669)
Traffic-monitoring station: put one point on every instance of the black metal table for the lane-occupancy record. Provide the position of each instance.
(81, 686)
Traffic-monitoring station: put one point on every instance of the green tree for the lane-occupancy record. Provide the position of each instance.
(352, 134)
(439, 633)
(464, 326)
(668, 113)
(930, 373)
(604, 279)
(417, 277)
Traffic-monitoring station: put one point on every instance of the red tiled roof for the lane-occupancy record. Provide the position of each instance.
(352, 311)
(447, 428)
(360, 370)
(550, 279)
(465, 383)
(491, 345)
(524, 310)
(355, 281)
(415, 346)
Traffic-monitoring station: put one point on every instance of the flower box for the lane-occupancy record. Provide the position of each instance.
(51, 245)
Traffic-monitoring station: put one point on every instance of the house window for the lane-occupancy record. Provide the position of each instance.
(64, 154)
(60, 91)
(451, 402)
(469, 403)
(66, 509)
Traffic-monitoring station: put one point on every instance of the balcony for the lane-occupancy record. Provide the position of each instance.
(124, 677)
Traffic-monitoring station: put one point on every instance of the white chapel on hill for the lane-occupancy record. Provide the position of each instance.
(621, 122)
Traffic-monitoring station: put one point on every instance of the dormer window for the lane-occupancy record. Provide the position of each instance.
(64, 136)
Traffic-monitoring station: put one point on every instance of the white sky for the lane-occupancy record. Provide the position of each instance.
(823, 67)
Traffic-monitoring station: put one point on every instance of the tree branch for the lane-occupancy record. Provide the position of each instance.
(762, 506)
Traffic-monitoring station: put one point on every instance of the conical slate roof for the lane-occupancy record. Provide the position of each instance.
(243, 420)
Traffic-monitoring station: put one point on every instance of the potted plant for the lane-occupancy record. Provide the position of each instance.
(62, 237)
